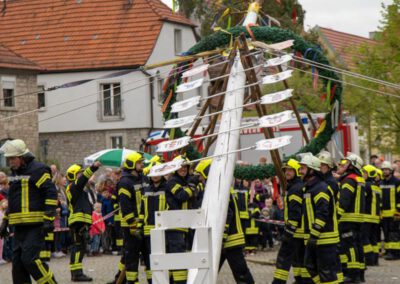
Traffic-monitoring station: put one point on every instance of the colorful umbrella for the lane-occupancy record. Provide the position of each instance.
(113, 157)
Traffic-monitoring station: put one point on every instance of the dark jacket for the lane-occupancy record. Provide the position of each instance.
(351, 204)
(293, 202)
(390, 196)
(153, 199)
(32, 196)
(79, 205)
(130, 189)
(319, 212)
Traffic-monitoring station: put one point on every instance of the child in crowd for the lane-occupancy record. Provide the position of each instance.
(59, 234)
(3, 207)
(96, 230)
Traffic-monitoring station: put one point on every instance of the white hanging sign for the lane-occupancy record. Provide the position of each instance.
(270, 79)
(278, 60)
(186, 104)
(274, 143)
(195, 71)
(172, 145)
(275, 119)
(165, 168)
(190, 86)
(276, 97)
(179, 122)
(281, 45)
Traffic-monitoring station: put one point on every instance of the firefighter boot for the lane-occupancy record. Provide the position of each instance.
(78, 276)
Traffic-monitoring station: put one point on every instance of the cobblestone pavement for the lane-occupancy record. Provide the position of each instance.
(102, 269)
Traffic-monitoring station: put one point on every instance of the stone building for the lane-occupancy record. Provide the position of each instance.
(94, 50)
(18, 86)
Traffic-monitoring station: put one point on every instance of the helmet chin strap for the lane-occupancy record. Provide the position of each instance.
(309, 174)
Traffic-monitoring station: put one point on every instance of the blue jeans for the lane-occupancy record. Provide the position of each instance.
(95, 243)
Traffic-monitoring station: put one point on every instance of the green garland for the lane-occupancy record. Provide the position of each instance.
(268, 35)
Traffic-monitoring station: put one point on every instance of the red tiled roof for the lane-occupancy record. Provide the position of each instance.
(64, 35)
(343, 44)
(11, 60)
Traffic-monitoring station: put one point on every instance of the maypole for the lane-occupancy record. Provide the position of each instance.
(216, 198)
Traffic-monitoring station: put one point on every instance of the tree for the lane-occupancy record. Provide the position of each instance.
(289, 13)
(379, 114)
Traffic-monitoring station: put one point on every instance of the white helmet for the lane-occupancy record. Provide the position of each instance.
(387, 165)
(310, 161)
(326, 158)
(14, 148)
(355, 160)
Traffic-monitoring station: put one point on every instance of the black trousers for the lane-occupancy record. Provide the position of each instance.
(320, 261)
(391, 233)
(369, 236)
(238, 265)
(176, 242)
(118, 236)
(131, 256)
(28, 242)
(351, 249)
(146, 251)
(80, 238)
(291, 253)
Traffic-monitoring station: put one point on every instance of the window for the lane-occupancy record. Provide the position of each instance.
(8, 93)
(178, 41)
(44, 149)
(111, 99)
(41, 97)
(116, 142)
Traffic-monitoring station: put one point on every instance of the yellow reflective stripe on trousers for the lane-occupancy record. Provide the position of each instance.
(131, 275)
(47, 276)
(149, 274)
(281, 274)
(353, 263)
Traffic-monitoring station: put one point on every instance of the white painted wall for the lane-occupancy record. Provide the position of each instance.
(80, 110)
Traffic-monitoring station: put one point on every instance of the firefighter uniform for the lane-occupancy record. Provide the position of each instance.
(390, 207)
(117, 222)
(293, 239)
(45, 253)
(80, 217)
(243, 198)
(320, 224)
(233, 238)
(32, 203)
(153, 200)
(351, 210)
(130, 189)
(370, 228)
(252, 230)
(178, 196)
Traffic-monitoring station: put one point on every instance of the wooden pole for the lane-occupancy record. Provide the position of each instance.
(296, 112)
(182, 59)
(261, 109)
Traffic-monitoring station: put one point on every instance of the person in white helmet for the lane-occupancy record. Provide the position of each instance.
(390, 186)
(32, 202)
(320, 224)
(351, 213)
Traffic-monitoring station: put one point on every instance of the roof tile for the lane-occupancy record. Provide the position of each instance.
(11, 60)
(66, 35)
(345, 45)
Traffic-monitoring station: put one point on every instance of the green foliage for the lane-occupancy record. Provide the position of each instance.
(209, 12)
(378, 115)
(267, 35)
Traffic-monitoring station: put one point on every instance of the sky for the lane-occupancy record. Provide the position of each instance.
(357, 17)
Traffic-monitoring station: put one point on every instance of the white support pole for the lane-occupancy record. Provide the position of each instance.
(220, 179)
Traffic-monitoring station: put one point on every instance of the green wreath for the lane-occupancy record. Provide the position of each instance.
(268, 35)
